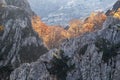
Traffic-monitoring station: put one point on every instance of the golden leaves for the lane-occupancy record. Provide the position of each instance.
(53, 35)
(78, 27)
(117, 14)
(1, 28)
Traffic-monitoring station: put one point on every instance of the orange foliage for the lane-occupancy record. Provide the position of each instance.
(78, 27)
(96, 18)
(1, 28)
(39, 26)
(53, 35)
(87, 27)
(75, 27)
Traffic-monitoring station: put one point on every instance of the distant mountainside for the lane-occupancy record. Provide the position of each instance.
(61, 12)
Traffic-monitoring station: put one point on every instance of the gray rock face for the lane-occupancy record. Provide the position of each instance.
(92, 56)
(116, 5)
(19, 43)
(23, 4)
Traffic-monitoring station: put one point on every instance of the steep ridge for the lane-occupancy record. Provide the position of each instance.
(23, 4)
(91, 56)
(19, 43)
(116, 6)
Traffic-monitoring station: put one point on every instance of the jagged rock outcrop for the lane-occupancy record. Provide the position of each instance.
(116, 6)
(19, 43)
(92, 56)
(23, 4)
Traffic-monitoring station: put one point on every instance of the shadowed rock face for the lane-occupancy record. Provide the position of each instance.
(116, 6)
(19, 43)
(92, 56)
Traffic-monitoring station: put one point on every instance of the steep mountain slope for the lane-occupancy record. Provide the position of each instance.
(92, 56)
(19, 43)
(116, 6)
